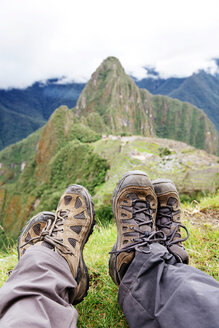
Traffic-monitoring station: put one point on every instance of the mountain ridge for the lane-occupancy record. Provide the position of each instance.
(200, 89)
(32, 107)
(38, 101)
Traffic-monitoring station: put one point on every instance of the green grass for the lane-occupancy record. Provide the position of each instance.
(210, 202)
(200, 202)
(202, 247)
(8, 260)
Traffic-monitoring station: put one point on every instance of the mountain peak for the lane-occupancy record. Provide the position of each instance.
(111, 62)
(109, 65)
(115, 101)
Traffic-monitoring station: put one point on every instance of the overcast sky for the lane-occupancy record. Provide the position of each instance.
(41, 39)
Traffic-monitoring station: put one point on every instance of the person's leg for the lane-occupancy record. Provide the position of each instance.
(155, 290)
(51, 273)
(39, 292)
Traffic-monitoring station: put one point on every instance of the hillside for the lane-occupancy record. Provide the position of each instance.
(22, 111)
(68, 152)
(200, 89)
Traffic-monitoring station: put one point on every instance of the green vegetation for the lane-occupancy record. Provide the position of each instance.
(8, 260)
(164, 152)
(200, 89)
(22, 111)
(74, 163)
(98, 166)
(202, 246)
(210, 202)
(13, 157)
(64, 156)
(85, 167)
(104, 215)
(15, 126)
(5, 242)
(184, 122)
(83, 133)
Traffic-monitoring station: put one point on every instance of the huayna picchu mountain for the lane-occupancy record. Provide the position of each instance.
(112, 99)
(112, 103)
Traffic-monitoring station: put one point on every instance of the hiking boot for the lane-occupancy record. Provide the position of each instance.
(66, 233)
(73, 225)
(134, 207)
(32, 232)
(168, 218)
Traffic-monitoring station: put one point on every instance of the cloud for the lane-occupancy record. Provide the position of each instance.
(46, 39)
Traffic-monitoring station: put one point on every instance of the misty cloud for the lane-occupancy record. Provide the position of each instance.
(46, 39)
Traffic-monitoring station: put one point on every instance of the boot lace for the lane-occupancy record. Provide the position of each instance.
(166, 212)
(49, 233)
(142, 243)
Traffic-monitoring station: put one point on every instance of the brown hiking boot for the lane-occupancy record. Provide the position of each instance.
(134, 207)
(66, 233)
(168, 218)
(73, 226)
(33, 230)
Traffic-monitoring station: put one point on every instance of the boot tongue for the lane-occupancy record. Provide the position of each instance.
(165, 210)
(164, 217)
(142, 216)
(171, 201)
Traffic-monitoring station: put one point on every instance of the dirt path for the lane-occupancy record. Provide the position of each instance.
(201, 217)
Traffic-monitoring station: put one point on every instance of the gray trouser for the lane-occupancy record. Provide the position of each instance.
(155, 292)
(38, 292)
